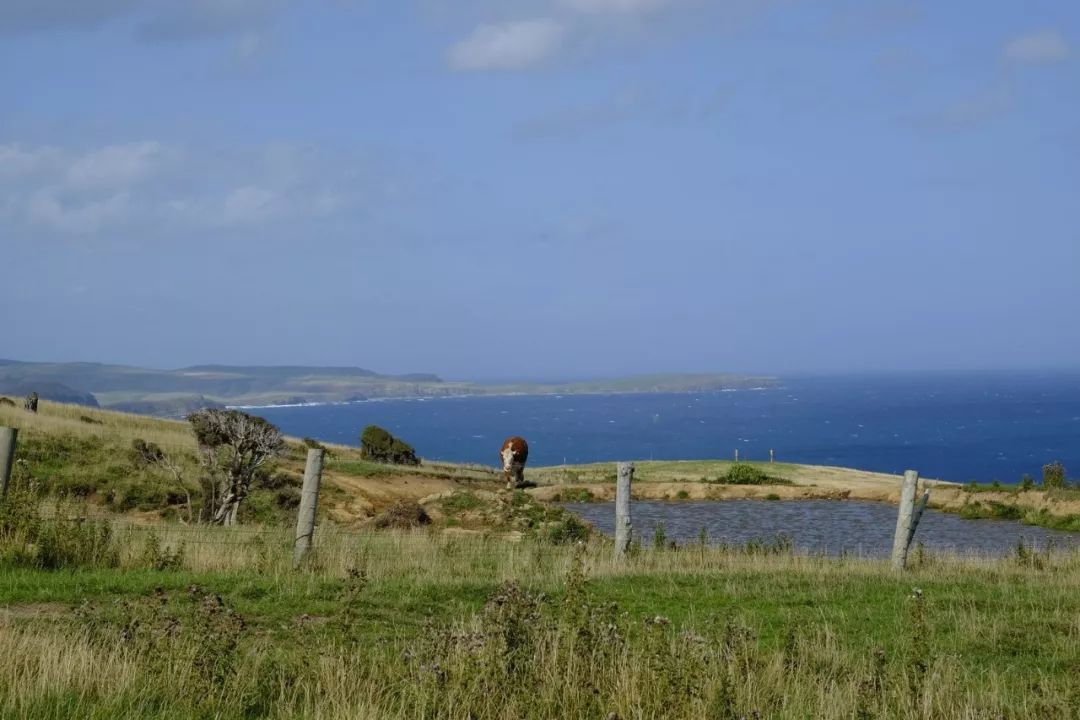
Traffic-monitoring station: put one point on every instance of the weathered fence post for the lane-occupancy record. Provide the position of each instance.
(8, 436)
(309, 500)
(916, 517)
(772, 455)
(736, 454)
(623, 526)
(907, 519)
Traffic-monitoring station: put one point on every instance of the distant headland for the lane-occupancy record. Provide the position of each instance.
(173, 393)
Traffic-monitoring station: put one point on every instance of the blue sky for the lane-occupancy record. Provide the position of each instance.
(542, 188)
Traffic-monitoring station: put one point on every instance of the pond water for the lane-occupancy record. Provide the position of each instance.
(827, 526)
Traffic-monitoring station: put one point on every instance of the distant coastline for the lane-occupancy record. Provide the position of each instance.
(429, 398)
(174, 393)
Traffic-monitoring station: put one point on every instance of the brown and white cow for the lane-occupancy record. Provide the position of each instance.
(514, 454)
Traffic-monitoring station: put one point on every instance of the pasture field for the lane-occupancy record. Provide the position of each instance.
(185, 622)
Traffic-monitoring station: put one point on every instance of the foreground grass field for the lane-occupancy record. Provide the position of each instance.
(214, 623)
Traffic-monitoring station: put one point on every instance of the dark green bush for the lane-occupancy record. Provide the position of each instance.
(380, 446)
(569, 529)
(747, 474)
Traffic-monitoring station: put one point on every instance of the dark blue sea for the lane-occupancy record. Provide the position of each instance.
(956, 427)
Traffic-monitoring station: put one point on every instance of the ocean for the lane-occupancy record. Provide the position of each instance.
(949, 426)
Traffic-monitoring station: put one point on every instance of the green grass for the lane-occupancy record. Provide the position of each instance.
(989, 637)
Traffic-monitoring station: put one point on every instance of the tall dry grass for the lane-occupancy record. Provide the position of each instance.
(548, 643)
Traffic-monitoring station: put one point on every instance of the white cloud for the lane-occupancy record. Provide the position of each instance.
(249, 204)
(1038, 48)
(508, 46)
(150, 187)
(15, 162)
(46, 209)
(115, 166)
(621, 7)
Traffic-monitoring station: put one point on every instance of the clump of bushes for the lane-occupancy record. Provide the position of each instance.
(380, 446)
(747, 474)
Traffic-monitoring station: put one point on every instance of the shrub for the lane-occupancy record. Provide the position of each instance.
(402, 515)
(1053, 476)
(379, 445)
(576, 495)
(144, 454)
(157, 556)
(29, 540)
(568, 530)
(745, 474)
(1027, 482)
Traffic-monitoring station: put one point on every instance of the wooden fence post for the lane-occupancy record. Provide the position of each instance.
(309, 500)
(736, 454)
(772, 456)
(623, 526)
(916, 517)
(906, 519)
(8, 437)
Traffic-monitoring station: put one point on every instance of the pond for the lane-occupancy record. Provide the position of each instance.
(826, 526)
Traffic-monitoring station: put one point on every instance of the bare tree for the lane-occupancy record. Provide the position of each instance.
(234, 446)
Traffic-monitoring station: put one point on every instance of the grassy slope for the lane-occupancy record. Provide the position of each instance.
(85, 450)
